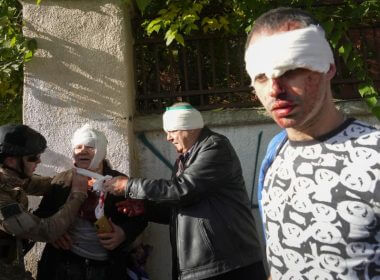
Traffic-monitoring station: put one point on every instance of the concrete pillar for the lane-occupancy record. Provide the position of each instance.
(81, 73)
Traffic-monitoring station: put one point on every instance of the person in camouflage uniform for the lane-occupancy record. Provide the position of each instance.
(20, 150)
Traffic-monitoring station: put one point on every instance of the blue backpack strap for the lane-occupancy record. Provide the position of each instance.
(273, 147)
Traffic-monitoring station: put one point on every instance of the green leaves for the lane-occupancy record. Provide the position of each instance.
(15, 50)
(177, 19)
(345, 51)
(215, 24)
(141, 4)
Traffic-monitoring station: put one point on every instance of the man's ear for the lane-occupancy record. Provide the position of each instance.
(332, 71)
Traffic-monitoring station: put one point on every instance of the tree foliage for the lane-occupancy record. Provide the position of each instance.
(15, 50)
(176, 19)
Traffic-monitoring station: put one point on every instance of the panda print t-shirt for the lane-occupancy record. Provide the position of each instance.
(321, 206)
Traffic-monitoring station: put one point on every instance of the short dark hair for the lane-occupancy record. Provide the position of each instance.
(276, 18)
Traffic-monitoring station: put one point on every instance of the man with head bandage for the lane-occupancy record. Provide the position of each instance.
(318, 183)
(96, 245)
(212, 230)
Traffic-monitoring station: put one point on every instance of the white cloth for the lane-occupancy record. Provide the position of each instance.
(99, 179)
(86, 135)
(300, 48)
(98, 187)
(183, 117)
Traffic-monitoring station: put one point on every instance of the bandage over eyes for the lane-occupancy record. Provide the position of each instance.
(184, 117)
(88, 136)
(301, 48)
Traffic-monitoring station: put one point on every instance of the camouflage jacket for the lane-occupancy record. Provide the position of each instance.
(16, 222)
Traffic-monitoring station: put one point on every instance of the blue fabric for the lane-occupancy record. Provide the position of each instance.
(273, 147)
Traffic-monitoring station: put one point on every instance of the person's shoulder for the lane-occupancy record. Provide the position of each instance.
(212, 136)
(361, 130)
(9, 183)
(5, 197)
(277, 140)
(108, 170)
(365, 125)
(114, 173)
(358, 133)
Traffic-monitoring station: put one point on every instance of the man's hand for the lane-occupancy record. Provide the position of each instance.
(116, 185)
(79, 183)
(64, 242)
(131, 207)
(111, 240)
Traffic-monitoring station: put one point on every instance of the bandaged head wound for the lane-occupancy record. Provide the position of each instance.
(300, 48)
(182, 117)
(88, 136)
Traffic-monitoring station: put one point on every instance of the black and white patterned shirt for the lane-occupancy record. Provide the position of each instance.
(321, 206)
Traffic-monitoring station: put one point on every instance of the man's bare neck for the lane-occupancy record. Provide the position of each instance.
(317, 128)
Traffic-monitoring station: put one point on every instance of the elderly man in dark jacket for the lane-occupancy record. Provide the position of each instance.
(213, 233)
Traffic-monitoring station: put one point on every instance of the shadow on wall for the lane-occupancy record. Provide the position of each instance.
(50, 160)
(77, 76)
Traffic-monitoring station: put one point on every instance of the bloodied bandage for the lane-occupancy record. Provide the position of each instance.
(301, 48)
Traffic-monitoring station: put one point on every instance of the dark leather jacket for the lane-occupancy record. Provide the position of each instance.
(212, 228)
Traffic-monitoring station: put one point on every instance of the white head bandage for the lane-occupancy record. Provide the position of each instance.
(184, 117)
(88, 136)
(299, 48)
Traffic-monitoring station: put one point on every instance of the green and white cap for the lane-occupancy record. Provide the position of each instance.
(182, 116)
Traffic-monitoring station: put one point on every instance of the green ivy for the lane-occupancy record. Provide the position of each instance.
(176, 19)
(15, 50)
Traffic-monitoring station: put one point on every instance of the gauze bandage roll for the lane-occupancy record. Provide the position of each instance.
(300, 48)
(184, 117)
(88, 136)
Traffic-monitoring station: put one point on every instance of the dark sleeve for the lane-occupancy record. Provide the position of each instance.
(51, 202)
(157, 213)
(210, 169)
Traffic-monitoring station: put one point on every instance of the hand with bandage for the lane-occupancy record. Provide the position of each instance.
(131, 207)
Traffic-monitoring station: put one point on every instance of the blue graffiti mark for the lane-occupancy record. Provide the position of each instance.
(141, 136)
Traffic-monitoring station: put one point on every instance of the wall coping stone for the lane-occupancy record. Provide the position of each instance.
(237, 117)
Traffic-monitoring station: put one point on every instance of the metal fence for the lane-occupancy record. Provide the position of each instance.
(209, 72)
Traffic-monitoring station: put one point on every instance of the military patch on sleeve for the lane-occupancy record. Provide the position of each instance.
(10, 210)
(20, 225)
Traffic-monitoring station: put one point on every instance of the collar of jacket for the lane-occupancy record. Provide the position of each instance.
(10, 179)
(202, 136)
